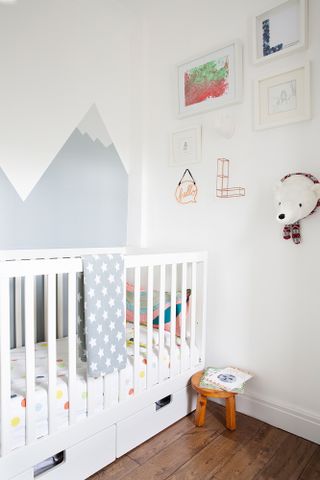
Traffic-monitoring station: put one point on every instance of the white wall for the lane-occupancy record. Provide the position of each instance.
(264, 302)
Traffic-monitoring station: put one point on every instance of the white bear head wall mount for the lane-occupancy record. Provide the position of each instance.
(297, 196)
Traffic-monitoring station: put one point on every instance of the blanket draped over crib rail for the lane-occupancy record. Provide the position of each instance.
(101, 328)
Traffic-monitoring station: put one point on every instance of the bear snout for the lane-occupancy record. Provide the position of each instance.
(281, 216)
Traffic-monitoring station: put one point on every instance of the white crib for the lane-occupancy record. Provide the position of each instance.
(109, 422)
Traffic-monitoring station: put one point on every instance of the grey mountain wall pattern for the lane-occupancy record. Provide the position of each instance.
(80, 201)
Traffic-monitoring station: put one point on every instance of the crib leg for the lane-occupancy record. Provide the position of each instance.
(201, 410)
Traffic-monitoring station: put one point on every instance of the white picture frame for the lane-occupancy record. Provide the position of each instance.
(186, 146)
(283, 98)
(280, 30)
(209, 81)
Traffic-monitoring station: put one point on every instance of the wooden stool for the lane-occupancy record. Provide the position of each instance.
(203, 393)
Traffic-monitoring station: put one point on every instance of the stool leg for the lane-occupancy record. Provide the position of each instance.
(231, 413)
(201, 410)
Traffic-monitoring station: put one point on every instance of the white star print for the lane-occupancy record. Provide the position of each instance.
(119, 336)
(90, 267)
(97, 279)
(118, 313)
(111, 278)
(111, 326)
(106, 339)
(99, 328)
(91, 293)
(101, 353)
(120, 358)
(117, 267)
(104, 291)
(110, 256)
(93, 366)
(93, 342)
(108, 362)
(112, 348)
(118, 290)
(98, 304)
(96, 257)
(79, 319)
(79, 297)
(104, 267)
(105, 315)
(92, 317)
(111, 302)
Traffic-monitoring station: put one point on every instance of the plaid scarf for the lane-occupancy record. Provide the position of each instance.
(293, 230)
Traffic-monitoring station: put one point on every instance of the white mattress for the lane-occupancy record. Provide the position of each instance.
(16, 417)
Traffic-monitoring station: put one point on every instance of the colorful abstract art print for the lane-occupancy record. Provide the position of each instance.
(210, 81)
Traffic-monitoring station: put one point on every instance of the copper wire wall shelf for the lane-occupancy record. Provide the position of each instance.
(222, 184)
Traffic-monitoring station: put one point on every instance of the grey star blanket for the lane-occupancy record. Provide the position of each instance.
(101, 328)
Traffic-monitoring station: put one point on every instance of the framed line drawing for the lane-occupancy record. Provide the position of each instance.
(186, 146)
(283, 98)
(280, 30)
(210, 81)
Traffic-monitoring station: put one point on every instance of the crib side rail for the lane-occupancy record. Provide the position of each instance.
(25, 272)
(171, 276)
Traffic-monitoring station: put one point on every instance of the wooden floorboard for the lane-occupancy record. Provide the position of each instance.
(255, 451)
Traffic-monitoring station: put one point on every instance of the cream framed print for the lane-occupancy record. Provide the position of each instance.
(186, 146)
(280, 30)
(283, 98)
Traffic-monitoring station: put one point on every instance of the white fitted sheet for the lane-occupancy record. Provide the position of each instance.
(117, 386)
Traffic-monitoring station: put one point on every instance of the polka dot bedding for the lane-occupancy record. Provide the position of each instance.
(16, 417)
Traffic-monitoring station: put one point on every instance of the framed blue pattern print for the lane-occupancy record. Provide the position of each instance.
(280, 30)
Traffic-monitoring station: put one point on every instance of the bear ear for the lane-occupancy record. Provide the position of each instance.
(316, 190)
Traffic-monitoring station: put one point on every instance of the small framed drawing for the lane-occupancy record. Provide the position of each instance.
(210, 81)
(186, 146)
(280, 30)
(283, 98)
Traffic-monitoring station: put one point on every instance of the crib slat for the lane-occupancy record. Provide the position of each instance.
(136, 329)
(5, 373)
(183, 317)
(173, 345)
(60, 304)
(204, 306)
(72, 344)
(35, 322)
(18, 310)
(161, 320)
(149, 327)
(45, 300)
(52, 352)
(111, 389)
(193, 300)
(30, 359)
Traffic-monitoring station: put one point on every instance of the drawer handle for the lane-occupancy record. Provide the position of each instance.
(48, 464)
(163, 402)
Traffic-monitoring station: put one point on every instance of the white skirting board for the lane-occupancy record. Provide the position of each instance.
(295, 421)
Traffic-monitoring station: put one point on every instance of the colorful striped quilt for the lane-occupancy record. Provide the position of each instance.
(156, 307)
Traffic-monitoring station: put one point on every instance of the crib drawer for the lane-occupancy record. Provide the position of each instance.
(143, 425)
(85, 458)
